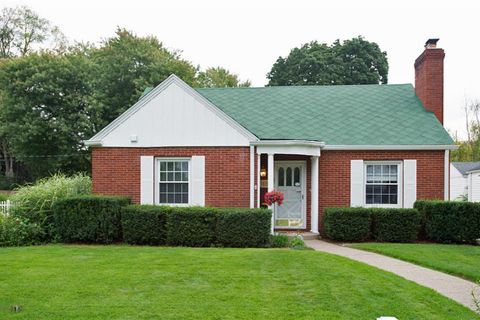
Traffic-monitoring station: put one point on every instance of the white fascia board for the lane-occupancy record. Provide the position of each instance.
(391, 147)
(97, 139)
(288, 143)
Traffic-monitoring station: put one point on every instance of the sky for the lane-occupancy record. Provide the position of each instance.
(248, 36)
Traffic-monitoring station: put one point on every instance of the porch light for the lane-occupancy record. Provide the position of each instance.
(263, 172)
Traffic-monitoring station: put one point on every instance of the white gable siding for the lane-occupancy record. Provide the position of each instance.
(458, 184)
(174, 118)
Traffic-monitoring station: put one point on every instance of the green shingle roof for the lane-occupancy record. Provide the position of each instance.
(336, 115)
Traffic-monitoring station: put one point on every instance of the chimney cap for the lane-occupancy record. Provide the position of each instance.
(431, 43)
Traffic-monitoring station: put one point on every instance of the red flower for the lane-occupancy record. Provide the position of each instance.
(273, 197)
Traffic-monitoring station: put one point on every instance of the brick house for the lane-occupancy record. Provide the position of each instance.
(322, 146)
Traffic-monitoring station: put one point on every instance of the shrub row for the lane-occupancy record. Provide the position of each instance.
(100, 219)
(450, 221)
(91, 219)
(196, 226)
(380, 224)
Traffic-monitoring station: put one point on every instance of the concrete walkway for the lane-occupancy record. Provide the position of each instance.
(452, 287)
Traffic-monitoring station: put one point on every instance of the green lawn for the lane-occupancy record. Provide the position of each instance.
(122, 282)
(460, 260)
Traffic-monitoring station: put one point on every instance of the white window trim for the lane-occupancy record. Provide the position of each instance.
(400, 184)
(157, 181)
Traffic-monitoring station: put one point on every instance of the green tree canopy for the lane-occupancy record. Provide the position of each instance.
(125, 65)
(355, 61)
(52, 101)
(219, 78)
(46, 111)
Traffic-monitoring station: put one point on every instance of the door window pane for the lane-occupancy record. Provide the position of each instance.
(288, 183)
(296, 177)
(281, 177)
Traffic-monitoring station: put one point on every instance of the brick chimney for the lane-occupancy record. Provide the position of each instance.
(429, 78)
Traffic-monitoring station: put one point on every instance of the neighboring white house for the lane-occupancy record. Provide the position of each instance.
(465, 181)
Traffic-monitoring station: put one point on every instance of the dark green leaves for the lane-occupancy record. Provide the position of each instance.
(355, 61)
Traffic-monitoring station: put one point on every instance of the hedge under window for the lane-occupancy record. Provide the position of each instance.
(381, 184)
(173, 181)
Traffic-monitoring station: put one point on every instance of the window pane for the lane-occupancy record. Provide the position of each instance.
(163, 176)
(163, 187)
(178, 166)
(184, 166)
(170, 166)
(178, 198)
(163, 166)
(163, 198)
(393, 199)
(171, 198)
(169, 176)
(393, 169)
(184, 176)
(296, 177)
(178, 176)
(369, 199)
(289, 177)
(185, 198)
(178, 188)
(170, 187)
(281, 177)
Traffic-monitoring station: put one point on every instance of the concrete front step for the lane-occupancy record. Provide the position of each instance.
(305, 235)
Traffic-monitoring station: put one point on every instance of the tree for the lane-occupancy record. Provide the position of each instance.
(52, 102)
(219, 78)
(20, 30)
(127, 64)
(46, 111)
(355, 61)
(469, 150)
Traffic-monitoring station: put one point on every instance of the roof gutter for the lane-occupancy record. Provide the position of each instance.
(92, 143)
(392, 147)
(310, 143)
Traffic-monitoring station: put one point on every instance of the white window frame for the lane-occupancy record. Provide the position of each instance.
(156, 190)
(399, 189)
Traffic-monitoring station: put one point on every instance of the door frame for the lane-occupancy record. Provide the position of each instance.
(303, 181)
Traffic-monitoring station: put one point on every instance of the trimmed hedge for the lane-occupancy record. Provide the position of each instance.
(450, 221)
(191, 227)
(347, 224)
(145, 224)
(91, 219)
(243, 227)
(395, 225)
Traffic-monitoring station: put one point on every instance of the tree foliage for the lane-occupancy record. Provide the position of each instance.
(355, 61)
(469, 149)
(54, 96)
(219, 78)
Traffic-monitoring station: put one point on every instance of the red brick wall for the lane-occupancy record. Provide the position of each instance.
(429, 80)
(334, 188)
(116, 171)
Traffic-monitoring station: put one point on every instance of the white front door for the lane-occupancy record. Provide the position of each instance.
(290, 180)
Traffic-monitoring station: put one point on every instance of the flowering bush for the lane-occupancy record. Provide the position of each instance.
(273, 197)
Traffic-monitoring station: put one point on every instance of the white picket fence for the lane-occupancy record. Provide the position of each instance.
(5, 207)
